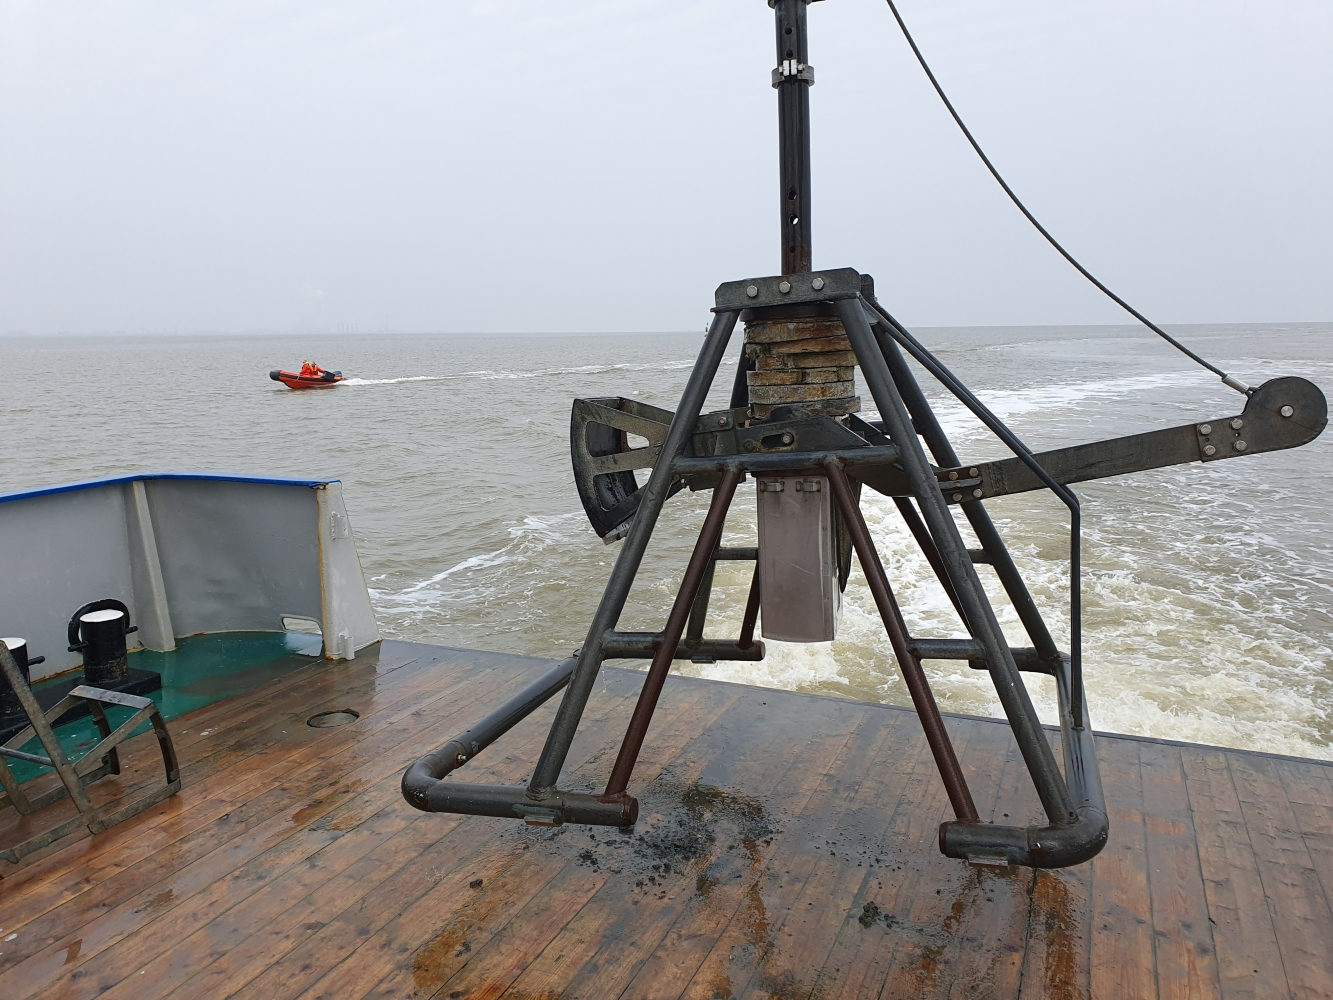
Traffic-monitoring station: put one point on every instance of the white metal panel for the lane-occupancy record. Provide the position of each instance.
(57, 553)
(187, 554)
(349, 620)
(236, 556)
(798, 566)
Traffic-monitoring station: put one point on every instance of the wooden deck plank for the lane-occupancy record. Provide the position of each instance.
(1309, 790)
(876, 802)
(284, 931)
(521, 939)
(863, 953)
(290, 865)
(437, 871)
(222, 863)
(304, 744)
(218, 765)
(1249, 962)
(927, 938)
(992, 936)
(1058, 957)
(1291, 884)
(432, 954)
(602, 850)
(795, 898)
(731, 766)
(236, 962)
(224, 932)
(1185, 949)
(753, 931)
(170, 823)
(222, 716)
(839, 889)
(735, 887)
(1123, 957)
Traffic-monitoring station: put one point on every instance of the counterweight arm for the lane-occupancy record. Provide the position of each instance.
(1281, 413)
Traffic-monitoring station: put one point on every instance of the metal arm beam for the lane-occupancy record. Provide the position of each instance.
(1281, 413)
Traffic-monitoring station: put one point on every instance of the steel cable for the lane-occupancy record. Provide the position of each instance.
(1231, 382)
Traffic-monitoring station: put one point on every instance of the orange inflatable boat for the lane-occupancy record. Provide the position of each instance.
(295, 380)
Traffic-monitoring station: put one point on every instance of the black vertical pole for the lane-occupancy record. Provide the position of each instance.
(792, 79)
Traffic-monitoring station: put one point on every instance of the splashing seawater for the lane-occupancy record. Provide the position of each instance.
(1208, 601)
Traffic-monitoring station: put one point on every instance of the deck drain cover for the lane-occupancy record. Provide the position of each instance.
(339, 717)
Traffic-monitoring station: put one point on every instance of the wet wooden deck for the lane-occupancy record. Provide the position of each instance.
(786, 849)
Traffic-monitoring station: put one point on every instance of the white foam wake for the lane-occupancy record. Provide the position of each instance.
(503, 374)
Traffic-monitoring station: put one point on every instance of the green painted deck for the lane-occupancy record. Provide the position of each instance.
(786, 848)
(201, 669)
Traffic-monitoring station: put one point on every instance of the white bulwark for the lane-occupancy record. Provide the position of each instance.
(188, 553)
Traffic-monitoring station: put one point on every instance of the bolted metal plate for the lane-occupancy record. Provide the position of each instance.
(1282, 413)
(786, 289)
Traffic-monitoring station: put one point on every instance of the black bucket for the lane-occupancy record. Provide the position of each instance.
(18, 648)
(98, 630)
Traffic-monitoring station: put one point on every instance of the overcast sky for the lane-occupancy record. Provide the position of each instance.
(516, 165)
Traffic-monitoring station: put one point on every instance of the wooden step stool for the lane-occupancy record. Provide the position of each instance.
(100, 761)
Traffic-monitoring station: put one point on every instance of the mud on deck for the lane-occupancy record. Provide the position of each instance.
(786, 848)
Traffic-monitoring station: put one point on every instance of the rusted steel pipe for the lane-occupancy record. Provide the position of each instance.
(751, 613)
(422, 778)
(700, 560)
(927, 711)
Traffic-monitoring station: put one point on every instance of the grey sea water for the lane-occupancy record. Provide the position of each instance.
(1208, 590)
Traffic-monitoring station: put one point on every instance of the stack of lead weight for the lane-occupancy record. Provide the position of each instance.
(808, 362)
(805, 362)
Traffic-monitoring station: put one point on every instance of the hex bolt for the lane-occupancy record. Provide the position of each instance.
(957, 497)
(1209, 450)
(1237, 423)
(817, 284)
(722, 421)
(974, 473)
(1287, 411)
(788, 437)
(977, 493)
(752, 291)
(784, 287)
(953, 475)
(1205, 428)
(1240, 446)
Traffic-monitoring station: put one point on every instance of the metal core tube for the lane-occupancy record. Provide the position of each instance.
(792, 79)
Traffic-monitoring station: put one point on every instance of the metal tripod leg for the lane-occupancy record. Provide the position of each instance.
(576, 696)
(694, 632)
(981, 621)
(700, 563)
(927, 711)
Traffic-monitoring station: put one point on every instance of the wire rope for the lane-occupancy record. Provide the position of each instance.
(1231, 382)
